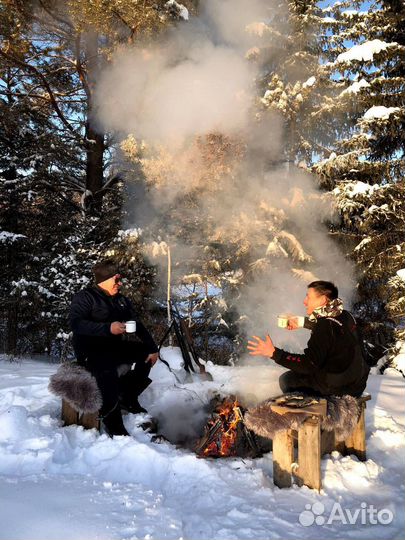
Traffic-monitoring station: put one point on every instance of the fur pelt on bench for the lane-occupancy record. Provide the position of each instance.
(77, 386)
(342, 415)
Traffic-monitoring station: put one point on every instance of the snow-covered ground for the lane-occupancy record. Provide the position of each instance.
(68, 484)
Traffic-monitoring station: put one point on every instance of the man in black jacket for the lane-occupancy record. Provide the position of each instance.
(332, 363)
(97, 317)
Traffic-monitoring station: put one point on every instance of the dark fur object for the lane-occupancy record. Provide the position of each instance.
(77, 386)
(342, 415)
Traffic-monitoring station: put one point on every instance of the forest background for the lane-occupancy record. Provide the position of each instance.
(250, 147)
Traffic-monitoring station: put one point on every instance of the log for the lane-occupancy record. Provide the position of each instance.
(340, 446)
(283, 457)
(356, 442)
(69, 414)
(328, 443)
(70, 417)
(309, 454)
(89, 421)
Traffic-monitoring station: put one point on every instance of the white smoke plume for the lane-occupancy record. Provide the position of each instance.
(163, 102)
(197, 81)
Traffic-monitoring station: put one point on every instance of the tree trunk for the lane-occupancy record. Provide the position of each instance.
(12, 329)
(11, 264)
(95, 139)
(94, 166)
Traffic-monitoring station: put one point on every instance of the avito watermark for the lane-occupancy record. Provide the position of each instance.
(364, 514)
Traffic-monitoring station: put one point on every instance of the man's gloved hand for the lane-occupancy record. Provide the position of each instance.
(152, 358)
(117, 328)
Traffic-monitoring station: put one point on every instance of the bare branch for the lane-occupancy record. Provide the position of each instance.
(41, 76)
(19, 5)
(108, 185)
(132, 28)
(58, 192)
(54, 16)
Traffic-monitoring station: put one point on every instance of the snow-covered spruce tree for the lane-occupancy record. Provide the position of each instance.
(34, 212)
(293, 82)
(62, 266)
(366, 59)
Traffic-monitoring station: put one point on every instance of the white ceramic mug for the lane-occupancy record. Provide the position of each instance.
(282, 321)
(130, 327)
(298, 320)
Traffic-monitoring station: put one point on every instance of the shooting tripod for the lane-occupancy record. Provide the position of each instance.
(185, 342)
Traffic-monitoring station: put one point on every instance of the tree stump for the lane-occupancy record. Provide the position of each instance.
(70, 416)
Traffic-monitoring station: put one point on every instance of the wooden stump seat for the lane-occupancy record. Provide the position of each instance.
(71, 416)
(313, 443)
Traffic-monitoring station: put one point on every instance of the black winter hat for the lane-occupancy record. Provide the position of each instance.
(104, 270)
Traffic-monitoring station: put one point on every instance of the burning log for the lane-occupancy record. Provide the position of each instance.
(226, 434)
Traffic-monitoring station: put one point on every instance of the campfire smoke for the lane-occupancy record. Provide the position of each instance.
(168, 103)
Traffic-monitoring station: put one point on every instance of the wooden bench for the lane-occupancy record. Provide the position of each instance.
(71, 416)
(312, 444)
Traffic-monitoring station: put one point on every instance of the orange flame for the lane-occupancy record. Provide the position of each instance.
(224, 442)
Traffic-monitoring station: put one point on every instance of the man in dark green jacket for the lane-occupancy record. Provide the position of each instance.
(120, 362)
(333, 362)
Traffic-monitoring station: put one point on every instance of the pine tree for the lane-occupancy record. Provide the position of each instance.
(54, 168)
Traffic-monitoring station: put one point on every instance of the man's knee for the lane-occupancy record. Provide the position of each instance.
(107, 381)
(297, 382)
(286, 381)
(129, 353)
(290, 381)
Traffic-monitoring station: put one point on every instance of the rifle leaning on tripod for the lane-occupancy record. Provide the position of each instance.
(185, 342)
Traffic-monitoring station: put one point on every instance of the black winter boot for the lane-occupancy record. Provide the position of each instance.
(113, 423)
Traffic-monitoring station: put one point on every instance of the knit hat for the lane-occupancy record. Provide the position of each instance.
(104, 270)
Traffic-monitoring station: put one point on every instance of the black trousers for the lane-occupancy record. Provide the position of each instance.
(115, 378)
(297, 382)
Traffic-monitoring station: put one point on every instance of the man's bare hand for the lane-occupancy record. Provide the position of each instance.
(117, 328)
(292, 323)
(152, 358)
(261, 347)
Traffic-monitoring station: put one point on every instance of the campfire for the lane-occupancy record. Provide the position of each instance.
(226, 434)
